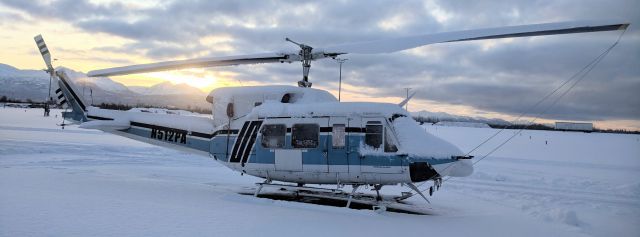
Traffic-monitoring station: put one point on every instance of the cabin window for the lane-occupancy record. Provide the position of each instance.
(389, 145)
(273, 135)
(338, 135)
(305, 135)
(373, 135)
(285, 98)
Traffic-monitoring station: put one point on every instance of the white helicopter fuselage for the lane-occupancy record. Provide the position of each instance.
(333, 142)
(298, 135)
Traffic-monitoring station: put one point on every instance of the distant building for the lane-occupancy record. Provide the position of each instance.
(571, 126)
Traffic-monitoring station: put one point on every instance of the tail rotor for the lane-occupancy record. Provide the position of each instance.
(66, 93)
(46, 55)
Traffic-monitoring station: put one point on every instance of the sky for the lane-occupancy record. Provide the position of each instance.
(489, 78)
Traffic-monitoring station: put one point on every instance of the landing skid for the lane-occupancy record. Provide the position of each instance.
(337, 198)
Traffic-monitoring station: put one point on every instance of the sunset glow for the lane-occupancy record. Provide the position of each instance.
(90, 41)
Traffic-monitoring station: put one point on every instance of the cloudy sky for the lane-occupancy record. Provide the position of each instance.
(491, 78)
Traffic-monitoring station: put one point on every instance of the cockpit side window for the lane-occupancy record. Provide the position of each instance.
(373, 135)
(389, 145)
(273, 135)
(305, 135)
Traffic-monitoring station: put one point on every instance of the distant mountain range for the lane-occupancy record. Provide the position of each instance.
(441, 116)
(33, 84)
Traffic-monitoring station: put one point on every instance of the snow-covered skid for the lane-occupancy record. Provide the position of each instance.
(299, 134)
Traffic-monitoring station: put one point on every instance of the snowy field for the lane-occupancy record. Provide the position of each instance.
(76, 182)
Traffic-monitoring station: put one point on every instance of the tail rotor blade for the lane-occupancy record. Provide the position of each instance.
(44, 51)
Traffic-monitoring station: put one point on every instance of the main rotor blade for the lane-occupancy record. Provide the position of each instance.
(402, 43)
(191, 63)
(373, 47)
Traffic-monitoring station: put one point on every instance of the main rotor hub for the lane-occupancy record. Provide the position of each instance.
(306, 56)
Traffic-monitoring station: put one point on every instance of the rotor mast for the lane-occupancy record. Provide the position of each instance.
(306, 57)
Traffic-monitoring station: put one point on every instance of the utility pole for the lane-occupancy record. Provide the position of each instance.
(340, 61)
(406, 106)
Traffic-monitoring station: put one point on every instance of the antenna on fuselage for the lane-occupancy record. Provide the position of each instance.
(340, 61)
(406, 105)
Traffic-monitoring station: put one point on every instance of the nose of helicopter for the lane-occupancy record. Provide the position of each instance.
(459, 168)
(429, 156)
(455, 167)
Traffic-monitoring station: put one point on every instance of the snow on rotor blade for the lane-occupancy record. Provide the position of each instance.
(402, 43)
(191, 63)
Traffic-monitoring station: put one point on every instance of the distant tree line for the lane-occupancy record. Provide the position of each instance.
(114, 106)
(431, 120)
(615, 131)
(32, 104)
(4, 99)
(535, 126)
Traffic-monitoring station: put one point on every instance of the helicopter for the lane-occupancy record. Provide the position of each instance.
(301, 136)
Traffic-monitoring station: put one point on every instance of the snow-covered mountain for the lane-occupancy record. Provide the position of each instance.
(33, 84)
(103, 83)
(166, 88)
(23, 84)
(9, 71)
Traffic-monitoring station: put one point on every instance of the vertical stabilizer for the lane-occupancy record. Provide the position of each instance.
(71, 98)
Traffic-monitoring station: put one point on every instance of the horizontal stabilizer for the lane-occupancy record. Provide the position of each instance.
(106, 125)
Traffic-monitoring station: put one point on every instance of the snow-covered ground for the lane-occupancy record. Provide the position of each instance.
(77, 182)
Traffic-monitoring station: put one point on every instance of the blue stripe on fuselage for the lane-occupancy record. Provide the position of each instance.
(221, 146)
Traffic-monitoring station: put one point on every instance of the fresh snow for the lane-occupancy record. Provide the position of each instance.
(78, 182)
(415, 141)
(276, 109)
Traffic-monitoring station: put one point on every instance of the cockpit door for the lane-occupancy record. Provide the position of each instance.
(337, 145)
(354, 137)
